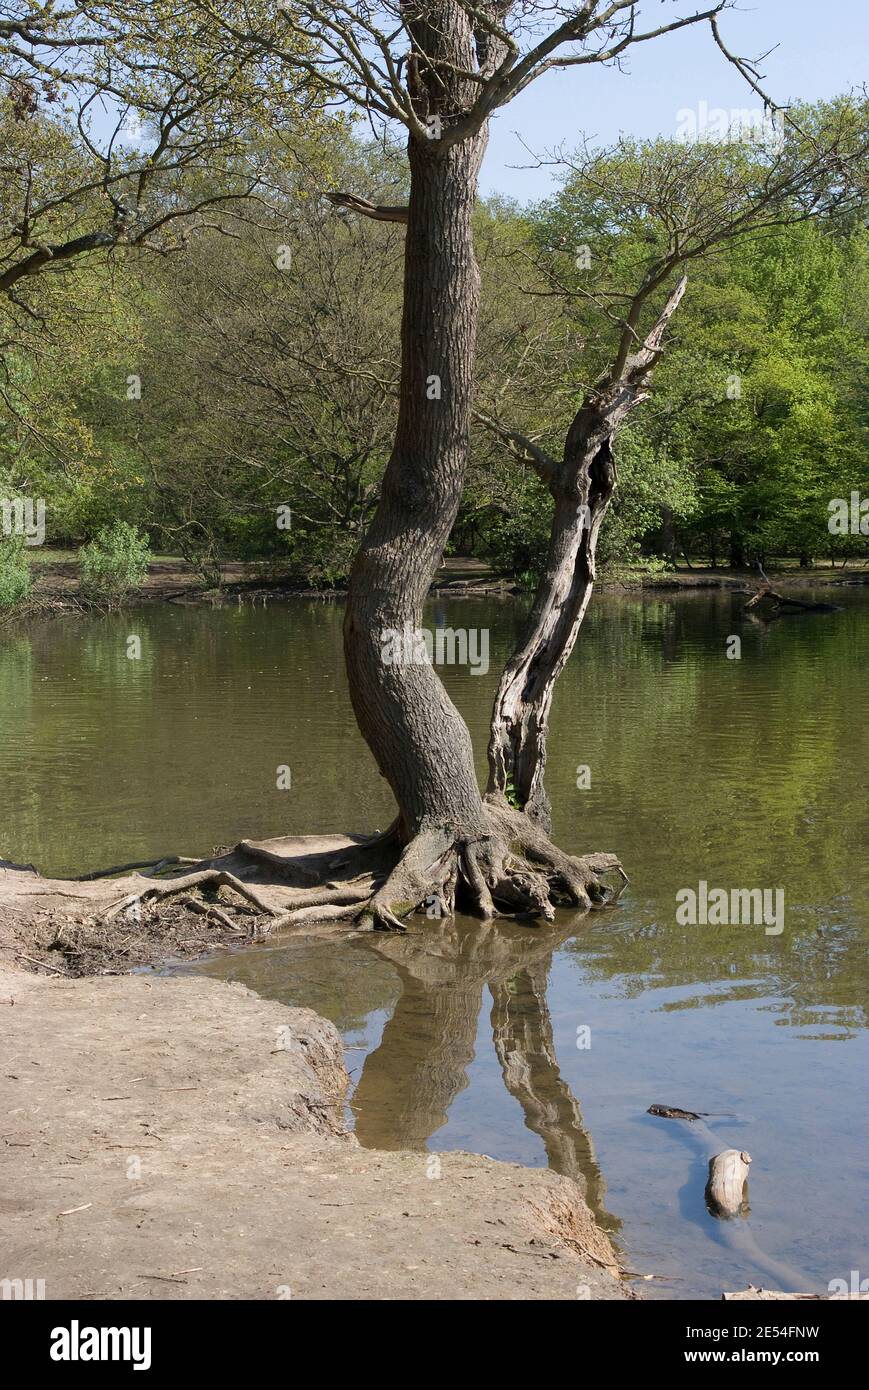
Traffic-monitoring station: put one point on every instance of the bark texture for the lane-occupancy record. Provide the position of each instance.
(420, 741)
(582, 485)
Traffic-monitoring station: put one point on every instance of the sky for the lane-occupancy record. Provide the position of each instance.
(823, 50)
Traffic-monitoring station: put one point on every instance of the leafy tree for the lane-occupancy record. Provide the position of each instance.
(113, 564)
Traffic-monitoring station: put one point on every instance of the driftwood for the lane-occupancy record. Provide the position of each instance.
(672, 1112)
(765, 593)
(726, 1198)
(728, 1174)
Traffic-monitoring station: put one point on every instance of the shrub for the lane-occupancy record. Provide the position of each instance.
(15, 577)
(113, 564)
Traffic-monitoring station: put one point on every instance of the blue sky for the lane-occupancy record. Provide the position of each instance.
(823, 50)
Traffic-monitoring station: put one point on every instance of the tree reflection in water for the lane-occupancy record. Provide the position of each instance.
(410, 1081)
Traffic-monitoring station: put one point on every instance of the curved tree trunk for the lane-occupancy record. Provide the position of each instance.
(420, 741)
(453, 841)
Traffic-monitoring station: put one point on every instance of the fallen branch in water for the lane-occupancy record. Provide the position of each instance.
(672, 1112)
(766, 593)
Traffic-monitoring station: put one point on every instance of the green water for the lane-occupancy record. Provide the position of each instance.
(745, 773)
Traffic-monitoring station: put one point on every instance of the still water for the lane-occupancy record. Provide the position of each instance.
(539, 1045)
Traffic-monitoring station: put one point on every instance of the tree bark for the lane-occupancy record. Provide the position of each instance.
(582, 486)
(582, 489)
(668, 533)
(420, 741)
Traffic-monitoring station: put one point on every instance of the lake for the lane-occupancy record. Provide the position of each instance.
(533, 1044)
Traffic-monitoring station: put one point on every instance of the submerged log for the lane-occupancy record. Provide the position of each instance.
(728, 1174)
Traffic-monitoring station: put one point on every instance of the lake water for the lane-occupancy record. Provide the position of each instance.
(539, 1045)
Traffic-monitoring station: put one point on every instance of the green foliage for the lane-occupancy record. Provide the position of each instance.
(516, 542)
(15, 577)
(512, 795)
(113, 564)
(265, 387)
(758, 414)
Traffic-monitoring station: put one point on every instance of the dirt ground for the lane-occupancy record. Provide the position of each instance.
(58, 926)
(182, 1138)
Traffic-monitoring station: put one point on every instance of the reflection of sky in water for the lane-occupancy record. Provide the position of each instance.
(746, 774)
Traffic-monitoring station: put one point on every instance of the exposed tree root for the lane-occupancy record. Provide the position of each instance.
(510, 869)
(310, 916)
(219, 877)
(154, 866)
(502, 866)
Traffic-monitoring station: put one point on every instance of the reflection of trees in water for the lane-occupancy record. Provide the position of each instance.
(522, 1032)
(410, 1081)
(325, 976)
(747, 773)
(819, 967)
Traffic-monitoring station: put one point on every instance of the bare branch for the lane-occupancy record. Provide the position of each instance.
(524, 449)
(378, 212)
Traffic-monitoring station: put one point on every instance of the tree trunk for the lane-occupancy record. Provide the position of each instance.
(453, 842)
(668, 533)
(420, 741)
(582, 489)
(738, 560)
(582, 486)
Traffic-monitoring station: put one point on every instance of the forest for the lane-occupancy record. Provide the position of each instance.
(226, 386)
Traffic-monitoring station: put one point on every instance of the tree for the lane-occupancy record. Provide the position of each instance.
(124, 128)
(122, 124)
(665, 207)
(441, 68)
(466, 61)
(255, 401)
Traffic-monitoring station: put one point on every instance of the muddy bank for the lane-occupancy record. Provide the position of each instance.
(126, 916)
(184, 1138)
(179, 1138)
(56, 586)
(60, 927)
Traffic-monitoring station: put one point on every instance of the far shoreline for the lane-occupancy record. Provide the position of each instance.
(174, 580)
